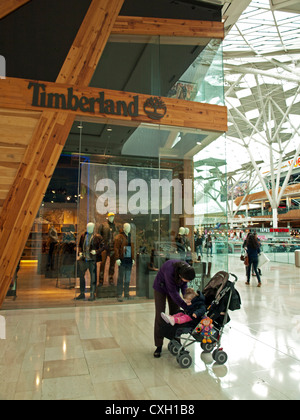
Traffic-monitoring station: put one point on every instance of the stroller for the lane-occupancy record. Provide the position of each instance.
(220, 296)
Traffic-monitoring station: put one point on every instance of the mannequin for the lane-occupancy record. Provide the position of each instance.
(53, 238)
(108, 232)
(124, 253)
(90, 249)
(188, 249)
(180, 240)
(187, 241)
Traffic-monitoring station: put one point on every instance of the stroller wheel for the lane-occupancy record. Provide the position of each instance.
(174, 347)
(207, 347)
(184, 360)
(220, 356)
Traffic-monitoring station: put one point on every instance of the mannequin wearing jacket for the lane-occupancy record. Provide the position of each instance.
(53, 239)
(90, 248)
(180, 241)
(124, 254)
(108, 231)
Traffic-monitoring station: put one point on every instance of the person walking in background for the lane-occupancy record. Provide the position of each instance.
(208, 244)
(198, 245)
(253, 250)
(260, 247)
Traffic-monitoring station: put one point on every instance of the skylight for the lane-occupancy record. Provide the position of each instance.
(262, 75)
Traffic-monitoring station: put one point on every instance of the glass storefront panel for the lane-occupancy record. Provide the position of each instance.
(203, 81)
(190, 71)
(155, 179)
(211, 199)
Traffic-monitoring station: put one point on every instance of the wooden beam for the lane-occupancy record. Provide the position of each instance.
(90, 42)
(132, 25)
(9, 6)
(40, 159)
(97, 104)
(16, 128)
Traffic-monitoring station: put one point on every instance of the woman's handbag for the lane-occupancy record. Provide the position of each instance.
(242, 257)
(262, 259)
(246, 260)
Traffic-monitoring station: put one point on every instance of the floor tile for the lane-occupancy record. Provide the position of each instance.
(60, 368)
(67, 388)
(105, 352)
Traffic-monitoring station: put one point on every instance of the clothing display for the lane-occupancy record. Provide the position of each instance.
(53, 239)
(183, 245)
(90, 250)
(108, 231)
(124, 254)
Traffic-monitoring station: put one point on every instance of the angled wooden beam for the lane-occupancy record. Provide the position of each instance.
(9, 6)
(17, 127)
(132, 25)
(40, 159)
(90, 42)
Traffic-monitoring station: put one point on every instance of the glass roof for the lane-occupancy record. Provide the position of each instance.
(263, 31)
(262, 75)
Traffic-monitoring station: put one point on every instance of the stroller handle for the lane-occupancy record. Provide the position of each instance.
(234, 276)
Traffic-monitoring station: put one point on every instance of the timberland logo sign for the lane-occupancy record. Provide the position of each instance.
(153, 107)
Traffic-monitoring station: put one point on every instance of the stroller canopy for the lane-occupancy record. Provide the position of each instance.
(215, 286)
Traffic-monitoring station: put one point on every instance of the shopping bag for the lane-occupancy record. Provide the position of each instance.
(262, 259)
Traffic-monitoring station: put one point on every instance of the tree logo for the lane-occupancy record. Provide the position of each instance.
(155, 108)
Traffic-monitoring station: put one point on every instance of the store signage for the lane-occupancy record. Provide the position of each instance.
(297, 162)
(284, 166)
(267, 230)
(92, 104)
(153, 107)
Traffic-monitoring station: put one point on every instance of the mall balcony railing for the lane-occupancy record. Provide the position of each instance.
(277, 250)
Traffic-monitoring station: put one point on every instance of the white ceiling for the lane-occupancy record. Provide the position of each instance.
(262, 75)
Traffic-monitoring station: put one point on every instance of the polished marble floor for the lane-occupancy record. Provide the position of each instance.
(105, 352)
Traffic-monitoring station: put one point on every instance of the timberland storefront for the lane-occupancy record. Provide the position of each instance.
(105, 162)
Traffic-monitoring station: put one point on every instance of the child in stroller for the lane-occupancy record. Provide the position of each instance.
(220, 296)
(196, 309)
